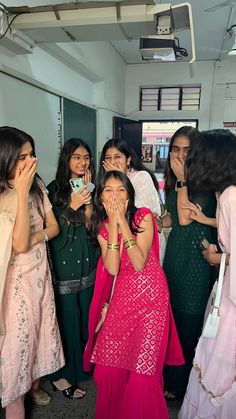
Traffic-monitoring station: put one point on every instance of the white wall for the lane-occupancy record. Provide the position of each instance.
(212, 77)
(32, 110)
(53, 75)
(105, 93)
(109, 98)
(224, 95)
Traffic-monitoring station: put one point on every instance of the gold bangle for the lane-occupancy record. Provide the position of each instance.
(130, 245)
(113, 246)
(128, 240)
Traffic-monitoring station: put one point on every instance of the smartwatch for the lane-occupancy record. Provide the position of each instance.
(180, 184)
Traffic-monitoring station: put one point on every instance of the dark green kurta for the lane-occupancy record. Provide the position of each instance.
(189, 278)
(73, 257)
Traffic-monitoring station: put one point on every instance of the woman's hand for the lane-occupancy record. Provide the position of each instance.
(211, 255)
(87, 178)
(121, 208)
(177, 166)
(196, 214)
(24, 177)
(108, 167)
(110, 208)
(79, 198)
(159, 222)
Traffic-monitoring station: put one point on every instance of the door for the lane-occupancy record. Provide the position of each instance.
(79, 122)
(129, 130)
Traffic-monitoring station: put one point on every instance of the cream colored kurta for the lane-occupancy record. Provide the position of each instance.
(31, 345)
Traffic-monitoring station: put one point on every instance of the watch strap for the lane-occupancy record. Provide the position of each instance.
(180, 184)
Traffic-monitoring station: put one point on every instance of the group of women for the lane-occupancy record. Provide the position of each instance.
(120, 312)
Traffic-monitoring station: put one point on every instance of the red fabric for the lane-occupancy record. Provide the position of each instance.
(122, 394)
(135, 329)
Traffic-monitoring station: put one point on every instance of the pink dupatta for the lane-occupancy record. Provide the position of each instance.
(102, 290)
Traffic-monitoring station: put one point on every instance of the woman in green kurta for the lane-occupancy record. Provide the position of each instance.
(74, 259)
(188, 274)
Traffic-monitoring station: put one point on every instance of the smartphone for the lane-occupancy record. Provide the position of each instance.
(76, 184)
(204, 244)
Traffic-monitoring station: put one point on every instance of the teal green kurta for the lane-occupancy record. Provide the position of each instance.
(189, 278)
(73, 257)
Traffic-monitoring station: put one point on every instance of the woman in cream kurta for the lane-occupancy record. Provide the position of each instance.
(30, 339)
(32, 345)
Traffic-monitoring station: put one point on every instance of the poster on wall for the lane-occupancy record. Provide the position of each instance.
(147, 153)
(231, 126)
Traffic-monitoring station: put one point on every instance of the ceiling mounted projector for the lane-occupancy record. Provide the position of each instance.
(232, 32)
(158, 48)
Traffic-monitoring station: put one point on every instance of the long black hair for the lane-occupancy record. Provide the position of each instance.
(187, 131)
(128, 151)
(99, 208)
(11, 142)
(63, 188)
(211, 162)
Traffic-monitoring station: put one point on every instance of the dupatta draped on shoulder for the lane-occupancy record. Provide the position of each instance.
(173, 353)
(8, 207)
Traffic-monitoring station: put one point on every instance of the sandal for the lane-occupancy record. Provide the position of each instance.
(40, 397)
(170, 396)
(69, 392)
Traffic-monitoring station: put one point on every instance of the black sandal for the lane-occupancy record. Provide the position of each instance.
(70, 391)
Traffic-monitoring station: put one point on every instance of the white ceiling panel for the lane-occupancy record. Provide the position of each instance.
(209, 27)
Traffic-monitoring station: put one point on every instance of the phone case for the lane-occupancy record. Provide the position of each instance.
(204, 244)
(76, 184)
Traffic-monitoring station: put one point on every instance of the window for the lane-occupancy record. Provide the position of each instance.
(170, 98)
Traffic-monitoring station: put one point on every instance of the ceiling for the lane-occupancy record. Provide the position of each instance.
(209, 27)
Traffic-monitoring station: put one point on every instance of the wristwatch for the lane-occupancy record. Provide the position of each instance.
(180, 184)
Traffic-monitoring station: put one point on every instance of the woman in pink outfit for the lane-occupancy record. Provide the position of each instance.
(138, 333)
(211, 391)
(30, 341)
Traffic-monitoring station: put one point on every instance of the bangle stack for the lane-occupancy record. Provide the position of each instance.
(113, 246)
(129, 243)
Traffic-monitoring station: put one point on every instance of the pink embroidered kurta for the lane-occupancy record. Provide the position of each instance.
(139, 317)
(31, 346)
(211, 390)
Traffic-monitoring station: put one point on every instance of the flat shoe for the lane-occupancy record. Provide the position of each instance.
(40, 397)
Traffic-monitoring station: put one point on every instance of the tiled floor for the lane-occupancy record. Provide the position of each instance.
(62, 408)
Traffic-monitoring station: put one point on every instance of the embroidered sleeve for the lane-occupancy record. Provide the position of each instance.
(145, 192)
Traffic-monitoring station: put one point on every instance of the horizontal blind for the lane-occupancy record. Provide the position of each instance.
(170, 98)
(149, 99)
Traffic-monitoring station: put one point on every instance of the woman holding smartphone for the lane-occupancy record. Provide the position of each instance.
(74, 259)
